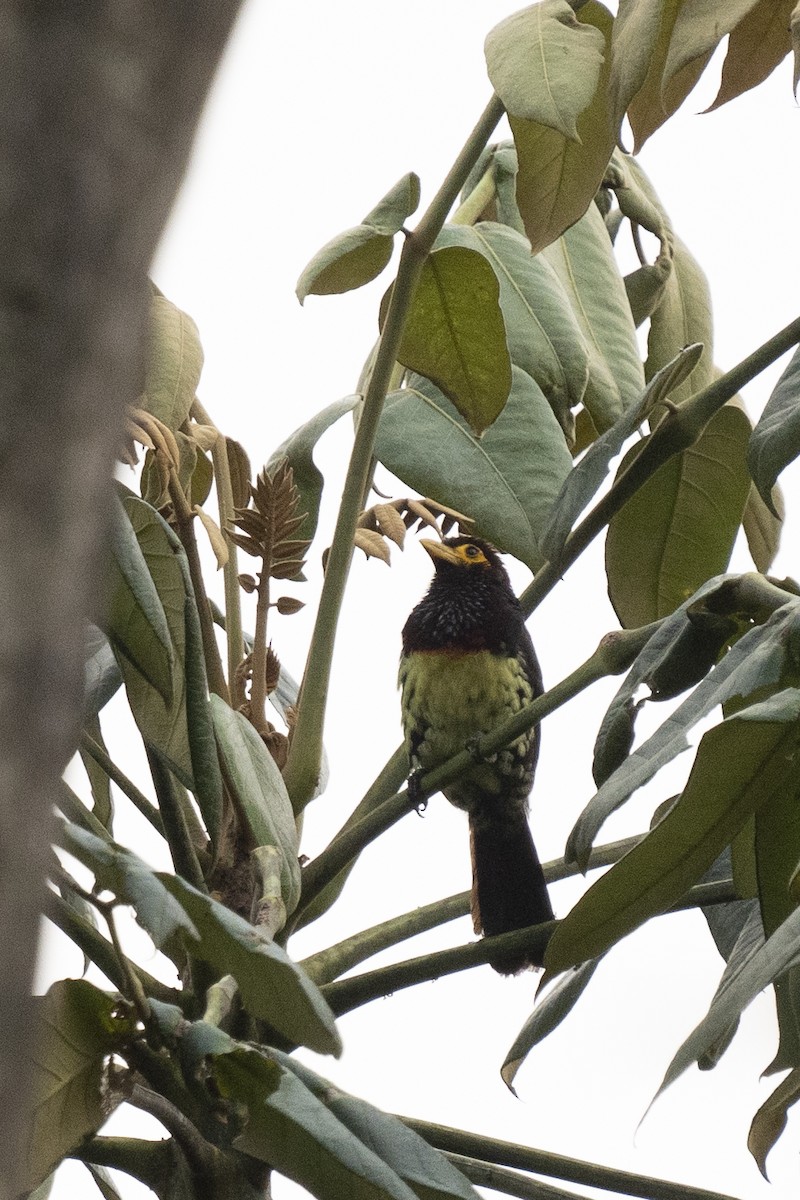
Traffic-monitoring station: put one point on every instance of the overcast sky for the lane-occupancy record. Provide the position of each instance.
(318, 110)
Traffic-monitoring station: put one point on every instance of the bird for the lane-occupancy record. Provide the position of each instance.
(467, 664)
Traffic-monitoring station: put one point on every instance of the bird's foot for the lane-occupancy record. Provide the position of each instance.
(419, 801)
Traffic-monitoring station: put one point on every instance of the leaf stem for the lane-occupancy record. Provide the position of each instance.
(230, 572)
(545, 1162)
(184, 527)
(305, 753)
(125, 785)
(677, 431)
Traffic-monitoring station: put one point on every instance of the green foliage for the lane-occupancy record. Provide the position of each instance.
(507, 379)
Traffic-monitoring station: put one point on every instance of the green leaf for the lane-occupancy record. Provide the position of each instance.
(78, 1027)
(770, 1120)
(638, 83)
(584, 261)
(547, 1016)
(545, 65)
(777, 854)
(455, 334)
(765, 964)
(358, 255)
(698, 30)
(391, 213)
(299, 450)
(682, 317)
(102, 678)
(258, 788)
(756, 661)
(756, 46)
(423, 440)
(636, 29)
(424, 1169)
(678, 530)
(135, 621)
(122, 872)
(559, 177)
(544, 338)
(206, 773)
(162, 726)
(775, 441)
(175, 361)
(272, 987)
(103, 804)
(762, 528)
(741, 764)
(293, 1131)
(588, 474)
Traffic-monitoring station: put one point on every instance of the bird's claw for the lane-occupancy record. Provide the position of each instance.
(419, 801)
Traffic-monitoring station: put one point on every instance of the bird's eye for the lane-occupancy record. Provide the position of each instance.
(471, 551)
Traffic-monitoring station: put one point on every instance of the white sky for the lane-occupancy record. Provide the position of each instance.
(318, 110)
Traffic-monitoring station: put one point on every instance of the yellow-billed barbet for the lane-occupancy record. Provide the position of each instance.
(467, 664)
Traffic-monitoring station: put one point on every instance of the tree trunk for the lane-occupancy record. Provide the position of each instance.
(99, 100)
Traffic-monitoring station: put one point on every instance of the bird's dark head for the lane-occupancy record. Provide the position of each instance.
(469, 605)
(465, 559)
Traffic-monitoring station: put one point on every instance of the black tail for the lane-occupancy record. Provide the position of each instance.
(508, 887)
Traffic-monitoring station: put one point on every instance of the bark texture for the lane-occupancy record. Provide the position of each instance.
(99, 100)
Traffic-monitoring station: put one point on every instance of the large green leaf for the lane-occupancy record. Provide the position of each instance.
(544, 338)
(756, 661)
(289, 1128)
(175, 360)
(358, 255)
(775, 441)
(588, 474)
(162, 726)
(584, 261)
(272, 987)
(258, 787)
(678, 530)
(78, 1026)
(425, 1170)
(698, 30)
(547, 1016)
(455, 334)
(135, 619)
(742, 764)
(765, 964)
(762, 528)
(558, 175)
(756, 46)
(176, 915)
(770, 1120)
(776, 846)
(507, 481)
(132, 881)
(682, 317)
(641, 47)
(102, 678)
(545, 65)
(299, 450)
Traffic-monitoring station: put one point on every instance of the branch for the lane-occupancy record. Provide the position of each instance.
(128, 788)
(302, 769)
(677, 431)
(346, 994)
(543, 1162)
(500, 1179)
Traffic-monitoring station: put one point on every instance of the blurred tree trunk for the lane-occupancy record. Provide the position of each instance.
(99, 100)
